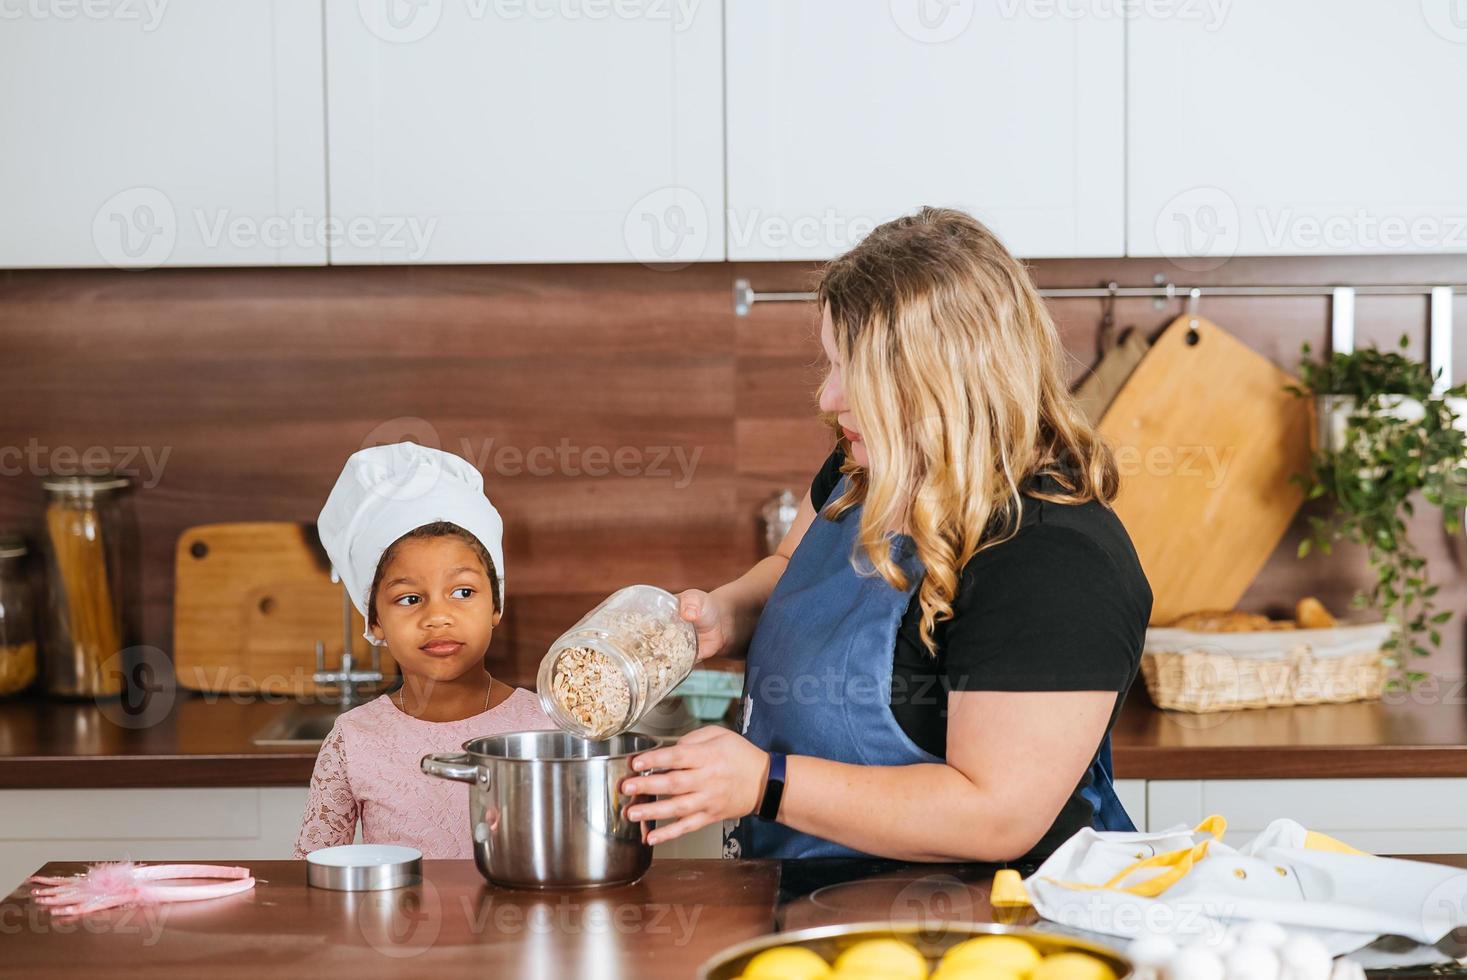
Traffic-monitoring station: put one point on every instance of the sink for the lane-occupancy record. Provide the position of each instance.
(301, 724)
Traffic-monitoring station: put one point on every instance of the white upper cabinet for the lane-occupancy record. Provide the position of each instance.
(1313, 126)
(842, 115)
(526, 130)
(161, 133)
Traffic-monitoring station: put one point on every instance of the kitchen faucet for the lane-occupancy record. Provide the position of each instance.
(346, 677)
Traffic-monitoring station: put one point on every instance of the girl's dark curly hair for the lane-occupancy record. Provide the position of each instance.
(437, 529)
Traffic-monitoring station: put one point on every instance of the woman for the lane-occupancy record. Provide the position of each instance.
(940, 646)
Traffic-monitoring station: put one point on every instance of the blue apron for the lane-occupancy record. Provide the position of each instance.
(819, 673)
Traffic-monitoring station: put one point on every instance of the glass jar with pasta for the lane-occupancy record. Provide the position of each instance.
(17, 623)
(85, 562)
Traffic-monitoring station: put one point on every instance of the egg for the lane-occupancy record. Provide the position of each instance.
(1151, 951)
(1251, 961)
(1195, 963)
(1305, 958)
(1220, 942)
(1260, 933)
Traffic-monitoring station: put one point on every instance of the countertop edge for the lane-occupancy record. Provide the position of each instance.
(261, 769)
(243, 769)
(1291, 762)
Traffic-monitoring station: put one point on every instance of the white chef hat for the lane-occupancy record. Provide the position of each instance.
(386, 491)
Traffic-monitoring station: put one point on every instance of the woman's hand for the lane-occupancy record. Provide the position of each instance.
(713, 622)
(713, 775)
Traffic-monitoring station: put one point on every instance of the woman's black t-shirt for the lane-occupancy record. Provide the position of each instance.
(1061, 606)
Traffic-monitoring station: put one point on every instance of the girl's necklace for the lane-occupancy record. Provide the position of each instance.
(400, 691)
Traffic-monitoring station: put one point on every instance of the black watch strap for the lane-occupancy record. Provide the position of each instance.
(773, 787)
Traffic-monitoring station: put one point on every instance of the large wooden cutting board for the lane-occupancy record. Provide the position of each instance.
(250, 602)
(1206, 438)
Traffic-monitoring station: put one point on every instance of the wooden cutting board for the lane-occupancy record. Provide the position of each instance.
(1206, 438)
(250, 602)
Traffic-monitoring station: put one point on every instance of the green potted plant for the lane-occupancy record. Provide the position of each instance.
(1385, 434)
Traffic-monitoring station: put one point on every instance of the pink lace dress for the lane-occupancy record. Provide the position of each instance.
(367, 770)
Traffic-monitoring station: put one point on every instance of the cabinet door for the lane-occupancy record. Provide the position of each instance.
(154, 133)
(841, 116)
(1132, 794)
(1264, 128)
(216, 823)
(1383, 816)
(523, 131)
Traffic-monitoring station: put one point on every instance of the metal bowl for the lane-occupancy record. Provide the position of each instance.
(931, 938)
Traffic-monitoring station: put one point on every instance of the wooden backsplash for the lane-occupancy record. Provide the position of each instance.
(627, 422)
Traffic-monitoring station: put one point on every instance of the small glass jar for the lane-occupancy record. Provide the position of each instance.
(607, 671)
(85, 537)
(17, 622)
(778, 515)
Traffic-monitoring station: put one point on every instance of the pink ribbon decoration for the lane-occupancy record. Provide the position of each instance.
(113, 883)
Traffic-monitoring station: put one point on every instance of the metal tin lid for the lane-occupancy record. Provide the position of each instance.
(12, 546)
(364, 867)
(84, 485)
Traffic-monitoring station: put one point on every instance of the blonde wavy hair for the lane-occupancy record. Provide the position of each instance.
(954, 373)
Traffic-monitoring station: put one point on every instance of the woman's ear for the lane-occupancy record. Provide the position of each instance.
(498, 615)
(379, 635)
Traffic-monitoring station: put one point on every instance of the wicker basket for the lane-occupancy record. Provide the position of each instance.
(1206, 672)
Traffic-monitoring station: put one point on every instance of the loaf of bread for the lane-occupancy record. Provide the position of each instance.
(1222, 621)
(1310, 614)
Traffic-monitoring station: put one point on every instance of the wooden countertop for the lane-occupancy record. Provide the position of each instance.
(198, 740)
(454, 924)
(1404, 736)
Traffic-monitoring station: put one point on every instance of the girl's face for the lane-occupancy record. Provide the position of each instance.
(435, 609)
(833, 392)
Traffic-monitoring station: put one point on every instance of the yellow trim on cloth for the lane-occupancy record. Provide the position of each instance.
(1177, 863)
(1315, 841)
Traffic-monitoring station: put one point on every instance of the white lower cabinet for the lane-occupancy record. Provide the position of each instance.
(248, 823)
(1383, 816)
(1132, 794)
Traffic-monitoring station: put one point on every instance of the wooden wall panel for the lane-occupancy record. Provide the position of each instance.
(258, 383)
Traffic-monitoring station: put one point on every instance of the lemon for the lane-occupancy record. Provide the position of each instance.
(974, 971)
(787, 963)
(1005, 952)
(889, 959)
(1071, 966)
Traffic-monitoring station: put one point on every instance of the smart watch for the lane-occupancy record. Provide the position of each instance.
(773, 788)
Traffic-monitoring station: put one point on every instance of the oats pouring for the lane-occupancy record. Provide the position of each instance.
(618, 662)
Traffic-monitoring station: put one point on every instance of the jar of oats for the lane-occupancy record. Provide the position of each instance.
(620, 660)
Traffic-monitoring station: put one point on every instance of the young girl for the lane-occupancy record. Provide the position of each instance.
(419, 548)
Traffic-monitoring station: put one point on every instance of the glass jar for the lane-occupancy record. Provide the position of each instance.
(17, 622)
(607, 671)
(778, 514)
(84, 559)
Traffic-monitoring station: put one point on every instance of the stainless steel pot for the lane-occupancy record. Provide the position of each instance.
(546, 808)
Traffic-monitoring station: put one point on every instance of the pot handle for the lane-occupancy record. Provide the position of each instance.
(450, 765)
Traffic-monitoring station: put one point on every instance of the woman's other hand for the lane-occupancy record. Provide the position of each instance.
(711, 775)
(708, 616)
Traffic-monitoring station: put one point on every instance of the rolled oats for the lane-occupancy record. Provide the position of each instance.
(642, 650)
